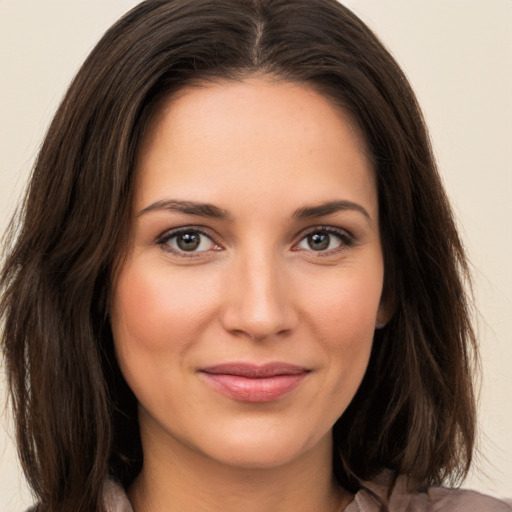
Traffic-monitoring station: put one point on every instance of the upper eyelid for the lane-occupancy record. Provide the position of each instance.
(209, 232)
(329, 229)
(169, 233)
(324, 227)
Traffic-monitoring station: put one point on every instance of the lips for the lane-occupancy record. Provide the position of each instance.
(254, 383)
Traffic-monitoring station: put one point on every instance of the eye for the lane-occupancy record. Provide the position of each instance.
(325, 240)
(187, 241)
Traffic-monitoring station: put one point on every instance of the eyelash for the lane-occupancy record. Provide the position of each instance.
(347, 240)
(164, 239)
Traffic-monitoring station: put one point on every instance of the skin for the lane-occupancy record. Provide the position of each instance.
(253, 291)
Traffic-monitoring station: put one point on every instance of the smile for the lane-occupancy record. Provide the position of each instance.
(253, 383)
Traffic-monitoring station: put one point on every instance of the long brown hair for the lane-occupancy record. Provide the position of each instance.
(75, 416)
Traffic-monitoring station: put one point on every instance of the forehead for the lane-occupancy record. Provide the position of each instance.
(254, 136)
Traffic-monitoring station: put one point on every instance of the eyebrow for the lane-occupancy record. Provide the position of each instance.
(189, 208)
(308, 212)
(212, 211)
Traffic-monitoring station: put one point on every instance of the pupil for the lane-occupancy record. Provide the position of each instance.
(318, 241)
(188, 241)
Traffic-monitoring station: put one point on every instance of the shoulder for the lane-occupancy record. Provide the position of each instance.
(398, 494)
(465, 500)
(114, 499)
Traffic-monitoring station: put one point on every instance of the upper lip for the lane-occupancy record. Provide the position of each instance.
(255, 371)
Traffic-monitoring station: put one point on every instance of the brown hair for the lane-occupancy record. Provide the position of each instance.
(75, 416)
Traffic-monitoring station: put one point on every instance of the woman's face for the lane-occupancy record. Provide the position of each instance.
(244, 313)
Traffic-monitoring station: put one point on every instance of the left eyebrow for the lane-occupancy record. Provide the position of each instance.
(308, 212)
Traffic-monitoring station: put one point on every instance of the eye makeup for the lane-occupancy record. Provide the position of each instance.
(325, 240)
(188, 242)
(196, 241)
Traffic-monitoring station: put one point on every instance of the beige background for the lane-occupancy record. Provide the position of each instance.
(458, 56)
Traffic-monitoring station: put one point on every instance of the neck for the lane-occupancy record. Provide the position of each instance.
(175, 477)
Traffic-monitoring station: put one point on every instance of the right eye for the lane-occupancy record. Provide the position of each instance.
(187, 241)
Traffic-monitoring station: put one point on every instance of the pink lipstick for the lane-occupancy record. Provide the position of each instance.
(254, 383)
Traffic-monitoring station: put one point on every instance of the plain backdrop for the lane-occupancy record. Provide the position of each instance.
(458, 56)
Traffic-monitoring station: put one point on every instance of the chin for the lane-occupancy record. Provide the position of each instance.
(264, 449)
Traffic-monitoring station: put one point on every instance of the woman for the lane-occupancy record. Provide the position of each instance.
(237, 283)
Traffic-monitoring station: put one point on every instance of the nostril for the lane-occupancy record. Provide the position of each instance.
(258, 323)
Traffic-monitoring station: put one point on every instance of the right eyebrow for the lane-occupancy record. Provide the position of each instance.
(187, 207)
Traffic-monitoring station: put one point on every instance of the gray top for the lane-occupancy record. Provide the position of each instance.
(383, 494)
(388, 493)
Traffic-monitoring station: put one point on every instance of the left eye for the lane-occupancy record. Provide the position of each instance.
(323, 240)
(188, 241)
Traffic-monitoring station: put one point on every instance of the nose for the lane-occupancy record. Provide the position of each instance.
(258, 301)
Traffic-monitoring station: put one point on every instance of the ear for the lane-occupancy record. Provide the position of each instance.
(385, 312)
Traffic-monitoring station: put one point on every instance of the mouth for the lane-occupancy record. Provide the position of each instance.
(254, 383)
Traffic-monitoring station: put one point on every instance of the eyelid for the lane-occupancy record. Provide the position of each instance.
(171, 233)
(325, 227)
(347, 238)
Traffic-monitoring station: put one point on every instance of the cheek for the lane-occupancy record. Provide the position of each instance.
(344, 306)
(157, 316)
(348, 336)
(153, 307)
(342, 313)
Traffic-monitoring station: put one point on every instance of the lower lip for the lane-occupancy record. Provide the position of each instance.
(244, 389)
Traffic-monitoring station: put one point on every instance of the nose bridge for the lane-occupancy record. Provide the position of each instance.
(258, 303)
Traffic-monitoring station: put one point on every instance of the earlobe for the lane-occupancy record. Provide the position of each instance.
(384, 313)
